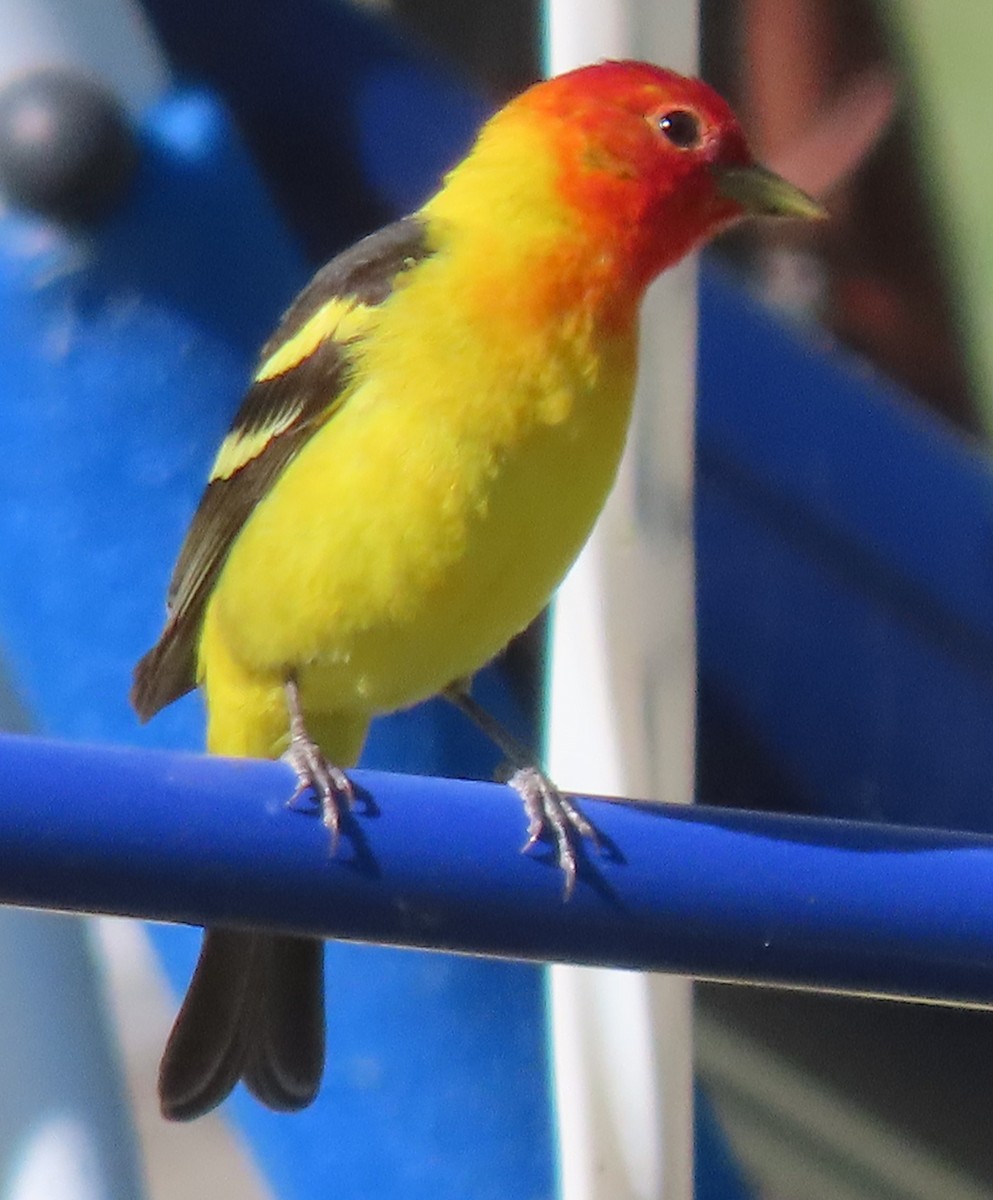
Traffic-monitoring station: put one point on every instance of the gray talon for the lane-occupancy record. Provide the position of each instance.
(549, 811)
(330, 785)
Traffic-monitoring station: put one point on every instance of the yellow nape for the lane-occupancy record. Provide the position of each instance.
(521, 240)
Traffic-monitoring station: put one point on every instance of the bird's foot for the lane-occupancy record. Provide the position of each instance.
(552, 814)
(549, 813)
(330, 785)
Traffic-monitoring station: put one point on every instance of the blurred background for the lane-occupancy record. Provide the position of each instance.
(880, 108)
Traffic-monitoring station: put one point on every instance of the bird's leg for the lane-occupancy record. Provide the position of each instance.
(546, 808)
(329, 783)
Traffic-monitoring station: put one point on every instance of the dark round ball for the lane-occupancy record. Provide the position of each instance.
(67, 149)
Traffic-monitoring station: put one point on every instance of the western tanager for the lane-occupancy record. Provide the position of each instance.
(427, 440)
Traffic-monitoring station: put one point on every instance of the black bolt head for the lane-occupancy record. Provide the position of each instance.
(67, 148)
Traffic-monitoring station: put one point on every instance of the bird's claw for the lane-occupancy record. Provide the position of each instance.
(550, 812)
(330, 785)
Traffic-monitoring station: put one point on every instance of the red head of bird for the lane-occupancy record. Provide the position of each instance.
(624, 165)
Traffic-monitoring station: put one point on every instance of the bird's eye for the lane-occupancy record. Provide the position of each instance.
(682, 128)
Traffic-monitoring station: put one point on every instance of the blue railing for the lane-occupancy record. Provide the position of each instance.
(425, 862)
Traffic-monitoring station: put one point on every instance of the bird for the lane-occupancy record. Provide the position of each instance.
(426, 442)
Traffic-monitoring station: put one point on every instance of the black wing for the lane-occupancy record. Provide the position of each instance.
(300, 383)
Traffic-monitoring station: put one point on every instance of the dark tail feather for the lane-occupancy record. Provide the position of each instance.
(206, 1051)
(286, 1060)
(254, 1008)
(167, 671)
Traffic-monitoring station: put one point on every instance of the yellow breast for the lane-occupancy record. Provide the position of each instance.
(431, 518)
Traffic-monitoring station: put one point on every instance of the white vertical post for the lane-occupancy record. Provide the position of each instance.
(622, 696)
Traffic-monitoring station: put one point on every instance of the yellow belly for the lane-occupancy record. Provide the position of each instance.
(413, 536)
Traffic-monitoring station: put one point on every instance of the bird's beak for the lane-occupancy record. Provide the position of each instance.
(762, 193)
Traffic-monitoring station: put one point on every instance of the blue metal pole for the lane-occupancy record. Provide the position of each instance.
(794, 901)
